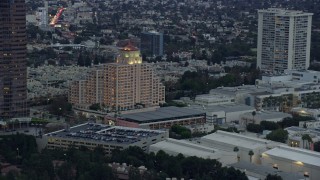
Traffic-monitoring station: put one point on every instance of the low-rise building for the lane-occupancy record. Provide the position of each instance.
(310, 124)
(297, 137)
(293, 160)
(213, 99)
(271, 116)
(223, 113)
(203, 128)
(175, 147)
(315, 113)
(162, 118)
(255, 171)
(91, 135)
(228, 141)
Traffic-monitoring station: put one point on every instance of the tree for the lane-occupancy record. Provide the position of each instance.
(60, 106)
(81, 60)
(278, 135)
(134, 174)
(256, 128)
(253, 115)
(180, 132)
(236, 149)
(251, 153)
(65, 171)
(317, 146)
(294, 121)
(95, 107)
(273, 177)
(266, 125)
(87, 61)
(306, 138)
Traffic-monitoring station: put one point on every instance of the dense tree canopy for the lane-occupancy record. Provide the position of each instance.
(180, 132)
(278, 135)
(60, 106)
(256, 128)
(178, 166)
(266, 125)
(273, 177)
(294, 121)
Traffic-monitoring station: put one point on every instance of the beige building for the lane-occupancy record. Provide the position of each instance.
(293, 160)
(121, 85)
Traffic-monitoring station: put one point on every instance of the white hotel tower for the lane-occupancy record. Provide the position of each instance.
(284, 38)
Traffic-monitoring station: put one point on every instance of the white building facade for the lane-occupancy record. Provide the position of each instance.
(284, 38)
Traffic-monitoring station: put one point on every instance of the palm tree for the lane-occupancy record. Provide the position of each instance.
(306, 137)
(236, 149)
(251, 153)
(253, 114)
(310, 142)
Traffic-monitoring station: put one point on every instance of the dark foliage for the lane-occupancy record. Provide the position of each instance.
(256, 128)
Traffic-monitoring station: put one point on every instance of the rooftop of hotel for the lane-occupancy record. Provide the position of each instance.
(297, 155)
(129, 47)
(105, 133)
(162, 114)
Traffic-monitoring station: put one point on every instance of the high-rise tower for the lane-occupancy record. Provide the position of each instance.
(13, 66)
(284, 38)
(152, 43)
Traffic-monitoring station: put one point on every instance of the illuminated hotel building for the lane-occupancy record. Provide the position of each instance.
(121, 85)
(13, 64)
(284, 39)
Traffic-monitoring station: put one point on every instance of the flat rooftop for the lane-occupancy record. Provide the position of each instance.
(174, 147)
(236, 139)
(284, 12)
(297, 155)
(263, 170)
(225, 107)
(300, 130)
(295, 129)
(162, 114)
(232, 91)
(210, 97)
(266, 115)
(104, 133)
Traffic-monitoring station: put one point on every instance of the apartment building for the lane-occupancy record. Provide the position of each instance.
(121, 85)
(283, 40)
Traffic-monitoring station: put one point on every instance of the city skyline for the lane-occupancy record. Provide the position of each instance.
(150, 90)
